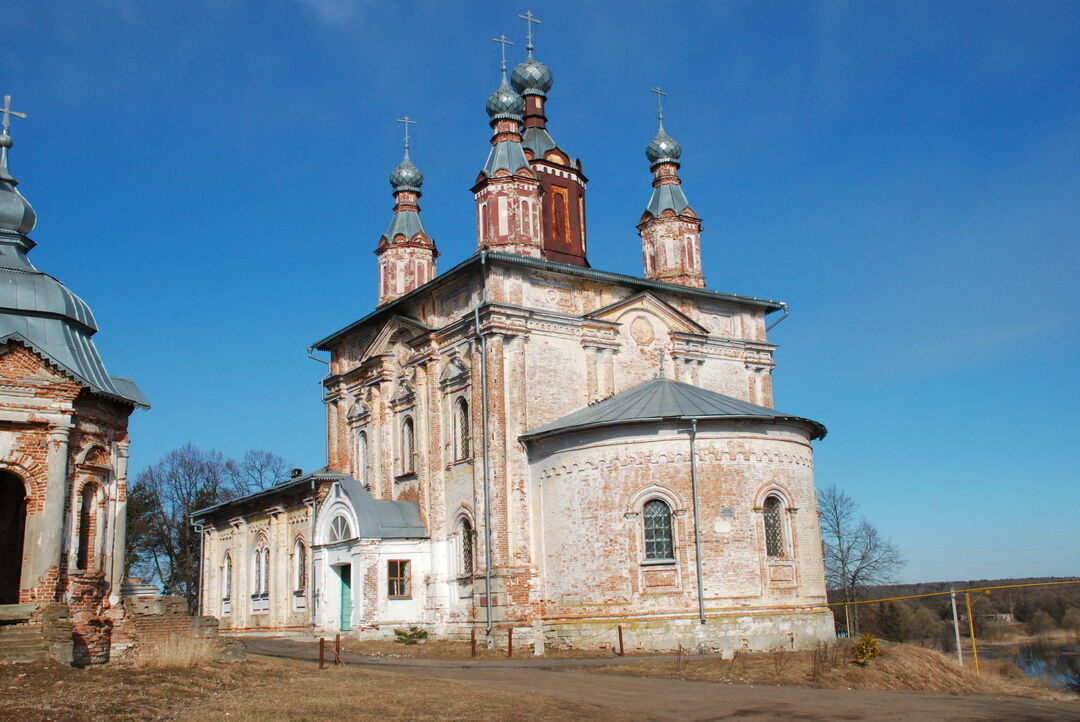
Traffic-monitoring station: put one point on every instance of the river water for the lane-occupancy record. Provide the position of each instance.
(1059, 665)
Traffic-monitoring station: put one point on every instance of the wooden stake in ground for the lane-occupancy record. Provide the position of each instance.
(510, 643)
(337, 650)
(322, 653)
(472, 642)
(620, 641)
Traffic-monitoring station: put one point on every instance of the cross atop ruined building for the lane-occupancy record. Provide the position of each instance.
(504, 42)
(529, 19)
(8, 112)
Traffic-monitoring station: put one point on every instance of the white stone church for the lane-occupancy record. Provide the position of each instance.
(526, 442)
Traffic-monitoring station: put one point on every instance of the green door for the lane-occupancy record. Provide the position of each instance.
(345, 571)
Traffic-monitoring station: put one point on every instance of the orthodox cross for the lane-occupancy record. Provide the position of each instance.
(8, 112)
(660, 95)
(406, 121)
(504, 42)
(529, 19)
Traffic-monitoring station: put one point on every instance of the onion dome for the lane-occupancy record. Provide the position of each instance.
(406, 177)
(16, 214)
(505, 103)
(532, 77)
(663, 148)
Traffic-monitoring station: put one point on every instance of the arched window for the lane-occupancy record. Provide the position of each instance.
(461, 423)
(226, 578)
(466, 547)
(84, 558)
(301, 566)
(256, 573)
(408, 446)
(260, 582)
(362, 457)
(483, 221)
(774, 527)
(340, 530)
(266, 572)
(657, 519)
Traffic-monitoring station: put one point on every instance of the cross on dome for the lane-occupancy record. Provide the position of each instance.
(503, 42)
(406, 121)
(529, 19)
(660, 95)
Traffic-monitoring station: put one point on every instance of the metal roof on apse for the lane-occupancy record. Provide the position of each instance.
(661, 399)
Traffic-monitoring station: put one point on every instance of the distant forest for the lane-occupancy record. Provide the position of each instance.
(997, 613)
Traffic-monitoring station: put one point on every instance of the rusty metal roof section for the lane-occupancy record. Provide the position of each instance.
(664, 399)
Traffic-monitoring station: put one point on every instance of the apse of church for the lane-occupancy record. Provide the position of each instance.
(526, 441)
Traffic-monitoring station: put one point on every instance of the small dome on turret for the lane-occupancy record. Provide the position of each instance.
(406, 177)
(16, 213)
(505, 103)
(532, 77)
(663, 148)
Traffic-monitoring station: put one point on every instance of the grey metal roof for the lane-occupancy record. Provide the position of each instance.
(512, 259)
(376, 518)
(538, 140)
(506, 155)
(664, 399)
(405, 223)
(667, 197)
(45, 316)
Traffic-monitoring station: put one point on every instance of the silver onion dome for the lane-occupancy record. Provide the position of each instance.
(406, 177)
(663, 148)
(16, 213)
(532, 77)
(505, 103)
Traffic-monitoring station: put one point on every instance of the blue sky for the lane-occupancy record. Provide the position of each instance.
(211, 177)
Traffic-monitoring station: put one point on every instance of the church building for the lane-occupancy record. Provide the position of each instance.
(63, 452)
(524, 441)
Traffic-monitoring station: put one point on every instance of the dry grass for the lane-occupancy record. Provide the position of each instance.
(899, 666)
(176, 653)
(262, 689)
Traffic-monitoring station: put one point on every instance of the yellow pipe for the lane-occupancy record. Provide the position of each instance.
(941, 594)
(971, 630)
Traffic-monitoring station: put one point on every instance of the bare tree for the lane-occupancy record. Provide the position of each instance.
(256, 471)
(856, 555)
(162, 545)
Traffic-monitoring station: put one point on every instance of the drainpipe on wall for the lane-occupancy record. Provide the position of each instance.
(202, 564)
(312, 597)
(484, 431)
(773, 325)
(697, 521)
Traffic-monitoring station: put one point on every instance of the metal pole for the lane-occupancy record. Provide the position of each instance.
(847, 620)
(697, 522)
(484, 427)
(956, 628)
(971, 630)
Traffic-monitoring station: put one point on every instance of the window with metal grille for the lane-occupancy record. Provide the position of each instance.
(362, 457)
(657, 518)
(397, 579)
(462, 413)
(466, 547)
(301, 566)
(408, 446)
(774, 527)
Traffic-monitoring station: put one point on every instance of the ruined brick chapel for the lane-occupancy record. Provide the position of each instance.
(524, 441)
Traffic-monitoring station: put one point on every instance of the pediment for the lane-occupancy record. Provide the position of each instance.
(395, 331)
(455, 370)
(676, 320)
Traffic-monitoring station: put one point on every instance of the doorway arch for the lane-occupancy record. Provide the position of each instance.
(12, 535)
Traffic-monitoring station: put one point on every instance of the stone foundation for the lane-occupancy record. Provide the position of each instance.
(751, 631)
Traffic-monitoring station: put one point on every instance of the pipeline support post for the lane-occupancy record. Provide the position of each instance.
(956, 628)
(971, 630)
